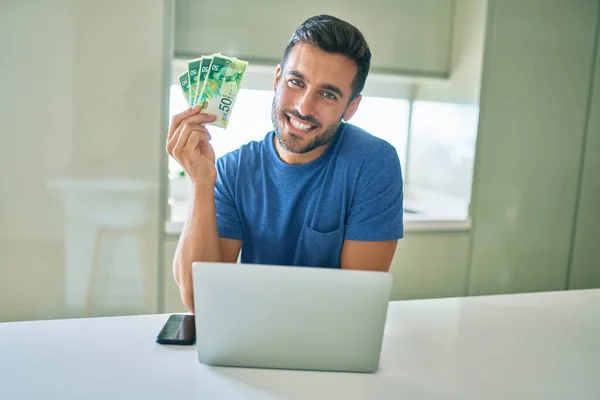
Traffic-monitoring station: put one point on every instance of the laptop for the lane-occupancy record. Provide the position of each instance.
(300, 318)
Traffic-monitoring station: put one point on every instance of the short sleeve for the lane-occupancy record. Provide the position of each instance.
(228, 218)
(376, 212)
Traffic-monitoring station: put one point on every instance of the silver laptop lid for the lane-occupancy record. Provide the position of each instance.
(290, 317)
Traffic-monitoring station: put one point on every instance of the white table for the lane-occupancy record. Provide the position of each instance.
(534, 346)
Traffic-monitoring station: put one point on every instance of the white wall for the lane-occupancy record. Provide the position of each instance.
(36, 102)
(535, 92)
(585, 263)
(36, 141)
(463, 85)
(81, 127)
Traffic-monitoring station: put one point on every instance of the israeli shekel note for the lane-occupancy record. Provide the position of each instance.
(184, 82)
(193, 70)
(204, 68)
(221, 88)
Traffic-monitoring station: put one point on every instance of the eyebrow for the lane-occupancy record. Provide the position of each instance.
(326, 86)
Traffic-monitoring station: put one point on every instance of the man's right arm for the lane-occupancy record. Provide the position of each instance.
(188, 142)
(200, 241)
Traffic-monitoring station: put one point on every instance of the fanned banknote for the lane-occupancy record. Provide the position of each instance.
(204, 68)
(184, 82)
(193, 71)
(213, 82)
(221, 87)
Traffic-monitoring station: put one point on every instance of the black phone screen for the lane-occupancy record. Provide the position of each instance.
(179, 329)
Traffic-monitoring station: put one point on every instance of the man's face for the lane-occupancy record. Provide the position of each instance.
(312, 96)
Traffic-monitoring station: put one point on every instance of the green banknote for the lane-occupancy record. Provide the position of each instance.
(204, 68)
(184, 82)
(193, 71)
(220, 90)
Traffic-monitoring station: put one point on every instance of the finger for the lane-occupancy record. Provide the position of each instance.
(205, 138)
(187, 131)
(181, 136)
(200, 140)
(199, 136)
(199, 119)
(196, 119)
(172, 141)
(194, 140)
(179, 118)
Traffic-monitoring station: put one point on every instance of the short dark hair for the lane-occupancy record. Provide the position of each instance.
(334, 35)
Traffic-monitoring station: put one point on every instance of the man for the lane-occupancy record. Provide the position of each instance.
(316, 191)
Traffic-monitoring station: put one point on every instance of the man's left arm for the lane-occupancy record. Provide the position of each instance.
(375, 256)
(375, 222)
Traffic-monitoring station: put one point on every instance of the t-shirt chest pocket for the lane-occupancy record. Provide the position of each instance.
(319, 249)
(323, 228)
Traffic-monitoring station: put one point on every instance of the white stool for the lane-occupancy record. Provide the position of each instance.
(140, 236)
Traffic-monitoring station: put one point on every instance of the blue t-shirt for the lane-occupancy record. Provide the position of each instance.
(300, 214)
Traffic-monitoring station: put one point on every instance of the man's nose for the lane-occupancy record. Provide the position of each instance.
(306, 104)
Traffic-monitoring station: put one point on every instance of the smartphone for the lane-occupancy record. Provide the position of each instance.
(180, 329)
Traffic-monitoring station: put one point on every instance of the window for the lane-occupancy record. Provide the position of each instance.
(440, 159)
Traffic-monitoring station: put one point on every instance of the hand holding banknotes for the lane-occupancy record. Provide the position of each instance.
(210, 86)
(188, 143)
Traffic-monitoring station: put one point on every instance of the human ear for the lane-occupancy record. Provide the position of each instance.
(352, 107)
(278, 72)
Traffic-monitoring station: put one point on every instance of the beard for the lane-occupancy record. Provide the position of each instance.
(294, 143)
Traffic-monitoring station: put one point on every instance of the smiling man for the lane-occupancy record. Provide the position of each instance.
(317, 191)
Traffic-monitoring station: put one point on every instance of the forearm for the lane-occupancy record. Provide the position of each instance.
(199, 241)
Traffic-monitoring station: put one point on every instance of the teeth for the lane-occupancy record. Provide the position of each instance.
(299, 125)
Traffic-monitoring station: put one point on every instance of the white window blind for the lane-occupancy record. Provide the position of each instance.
(408, 37)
